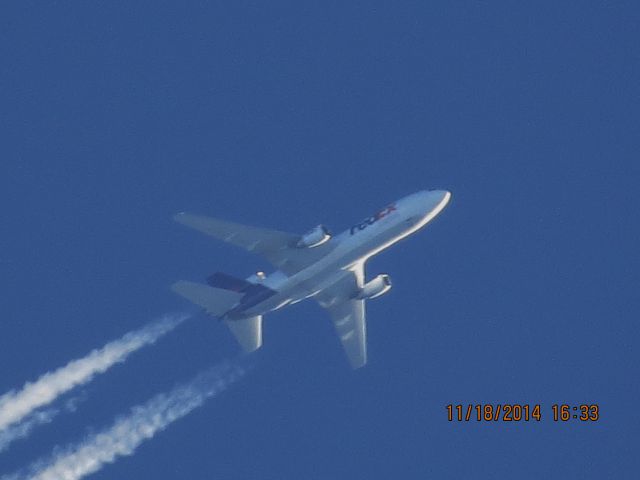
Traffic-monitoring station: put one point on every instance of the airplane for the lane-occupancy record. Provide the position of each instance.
(329, 269)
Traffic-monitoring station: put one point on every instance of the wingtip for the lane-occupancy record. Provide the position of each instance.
(358, 364)
(179, 216)
(178, 286)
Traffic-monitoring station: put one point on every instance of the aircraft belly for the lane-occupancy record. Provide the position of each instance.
(330, 269)
(296, 292)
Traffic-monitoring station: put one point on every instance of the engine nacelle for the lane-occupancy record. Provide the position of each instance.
(376, 287)
(314, 237)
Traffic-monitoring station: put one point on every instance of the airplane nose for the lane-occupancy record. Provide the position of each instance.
(439, 197)
(435, 201)
(427, 204)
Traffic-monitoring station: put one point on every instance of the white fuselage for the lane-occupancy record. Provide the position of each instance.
(352, 247)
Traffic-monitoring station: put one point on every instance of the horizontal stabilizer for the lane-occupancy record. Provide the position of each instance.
(228, 282)
(215, 301)
(248, 332)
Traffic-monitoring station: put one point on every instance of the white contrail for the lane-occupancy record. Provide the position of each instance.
(127, 433)
(24, 428)
(16, 405)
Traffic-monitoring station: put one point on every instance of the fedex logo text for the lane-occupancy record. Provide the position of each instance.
(373, 219)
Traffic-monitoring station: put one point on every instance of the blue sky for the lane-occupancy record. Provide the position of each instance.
(116, 115)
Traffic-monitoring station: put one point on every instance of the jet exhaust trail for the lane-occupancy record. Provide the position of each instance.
(15, 406)
(127, 433)
(24, 428)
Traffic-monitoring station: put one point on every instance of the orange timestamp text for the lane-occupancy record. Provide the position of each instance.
(521, 412)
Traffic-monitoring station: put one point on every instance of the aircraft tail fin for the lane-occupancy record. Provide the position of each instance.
(216, 301)
(248, 332)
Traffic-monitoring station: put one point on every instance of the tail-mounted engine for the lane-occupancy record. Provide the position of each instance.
(314, 237)
(376, 287)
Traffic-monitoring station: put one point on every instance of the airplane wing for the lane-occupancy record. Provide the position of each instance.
(276, 246)
(348, 314)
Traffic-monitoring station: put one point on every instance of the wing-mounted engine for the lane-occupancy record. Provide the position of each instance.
(314, 237)
(376, 287)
